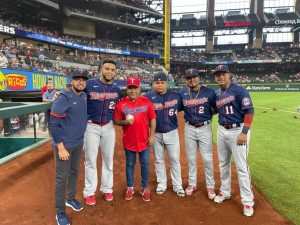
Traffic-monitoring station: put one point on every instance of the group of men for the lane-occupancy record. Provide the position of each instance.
(85, 116)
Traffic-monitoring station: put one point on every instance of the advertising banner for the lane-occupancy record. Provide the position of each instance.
(18, 80)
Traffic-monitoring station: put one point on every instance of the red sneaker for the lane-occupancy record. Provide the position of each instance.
(145, 192)
(108, 197)
(90, 200)
(129, 194)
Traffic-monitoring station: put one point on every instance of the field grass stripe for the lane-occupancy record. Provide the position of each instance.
(276, 109)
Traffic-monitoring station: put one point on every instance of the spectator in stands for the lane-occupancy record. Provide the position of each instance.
(7, 53)
(41, 57)
(27, 58)
(3, 60)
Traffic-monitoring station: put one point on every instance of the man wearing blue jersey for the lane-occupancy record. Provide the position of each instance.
(199, 106)
(67, 123)
(102, 96)
(235, 117)
(166, 104)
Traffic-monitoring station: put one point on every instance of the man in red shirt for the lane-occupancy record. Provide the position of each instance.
(134, 113)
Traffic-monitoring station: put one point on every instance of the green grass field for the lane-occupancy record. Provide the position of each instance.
(274, 155)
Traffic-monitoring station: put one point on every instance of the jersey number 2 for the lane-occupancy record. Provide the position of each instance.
(111, 105)
(229, 109)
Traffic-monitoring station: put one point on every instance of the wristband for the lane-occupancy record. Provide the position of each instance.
(245, 130)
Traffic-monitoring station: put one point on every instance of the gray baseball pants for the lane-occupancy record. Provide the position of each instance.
(167, 142)
(95, 136)
(227, 147)
(194, 138)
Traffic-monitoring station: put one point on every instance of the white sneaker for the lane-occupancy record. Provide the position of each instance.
(248, 210)
(211, 193)
(160, 190)
(179, 191)
(220, 198)
(190, 190)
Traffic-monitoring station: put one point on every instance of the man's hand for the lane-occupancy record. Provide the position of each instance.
(150, 140)
(63, 154)
(241, 139)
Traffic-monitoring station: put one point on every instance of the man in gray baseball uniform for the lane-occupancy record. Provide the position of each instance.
(199, 105)
(102, 95)
(166, 103)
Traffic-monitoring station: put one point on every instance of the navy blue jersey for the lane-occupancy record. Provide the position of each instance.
(69, 119)
(166, 107)
(232, 104)
(101, 100)
(198, 106)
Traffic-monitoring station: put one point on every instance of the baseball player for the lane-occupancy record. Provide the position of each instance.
(68, 122)
(199, 105)
(235, 117)
(134, 113)
(102, 96)
(166, 103)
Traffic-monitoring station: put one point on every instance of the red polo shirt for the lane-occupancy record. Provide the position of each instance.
(135, 136)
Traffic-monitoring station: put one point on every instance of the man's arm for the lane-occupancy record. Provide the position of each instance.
(152, 132)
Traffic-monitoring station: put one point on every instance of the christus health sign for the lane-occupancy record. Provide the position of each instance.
(281, 22)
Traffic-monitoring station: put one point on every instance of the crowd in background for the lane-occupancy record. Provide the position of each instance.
(143, 44)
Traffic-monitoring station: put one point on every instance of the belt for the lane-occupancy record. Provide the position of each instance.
(98, 123)
(229, 126)
(201, 124)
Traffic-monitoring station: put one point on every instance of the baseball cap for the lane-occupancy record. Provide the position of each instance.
(160, 76)
(133, 81)
(77, 73)
(191, 73)
(221, 68)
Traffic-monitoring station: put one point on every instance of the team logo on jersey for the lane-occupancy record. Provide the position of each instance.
(246, 101)
(168, 104)
(102, 96)
(135, 110)
(193, 102)
(224, 101)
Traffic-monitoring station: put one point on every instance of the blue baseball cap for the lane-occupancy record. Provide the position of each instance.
(160, 76)
(191, 73)
(221, 68)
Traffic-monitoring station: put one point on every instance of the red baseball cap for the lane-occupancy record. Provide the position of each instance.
(133, 81)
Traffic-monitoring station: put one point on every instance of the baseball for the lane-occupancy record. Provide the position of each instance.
(129, 117)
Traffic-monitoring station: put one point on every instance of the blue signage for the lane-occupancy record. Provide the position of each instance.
(18, 80)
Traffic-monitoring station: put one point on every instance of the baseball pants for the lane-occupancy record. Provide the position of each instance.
(227, 147)
(95, 136)
(168, 142)
(66, 176)
(194, 138)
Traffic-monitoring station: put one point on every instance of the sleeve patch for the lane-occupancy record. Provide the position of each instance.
(246, 101)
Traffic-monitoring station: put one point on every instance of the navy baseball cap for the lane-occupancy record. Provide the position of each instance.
(160, 76)
(77, 73)
(221, 68)
(191, 73)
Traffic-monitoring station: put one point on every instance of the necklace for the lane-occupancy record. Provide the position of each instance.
(222, 95)
(193, 99)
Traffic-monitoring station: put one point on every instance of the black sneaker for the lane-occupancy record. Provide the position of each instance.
(74, 204)
(62, 219)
